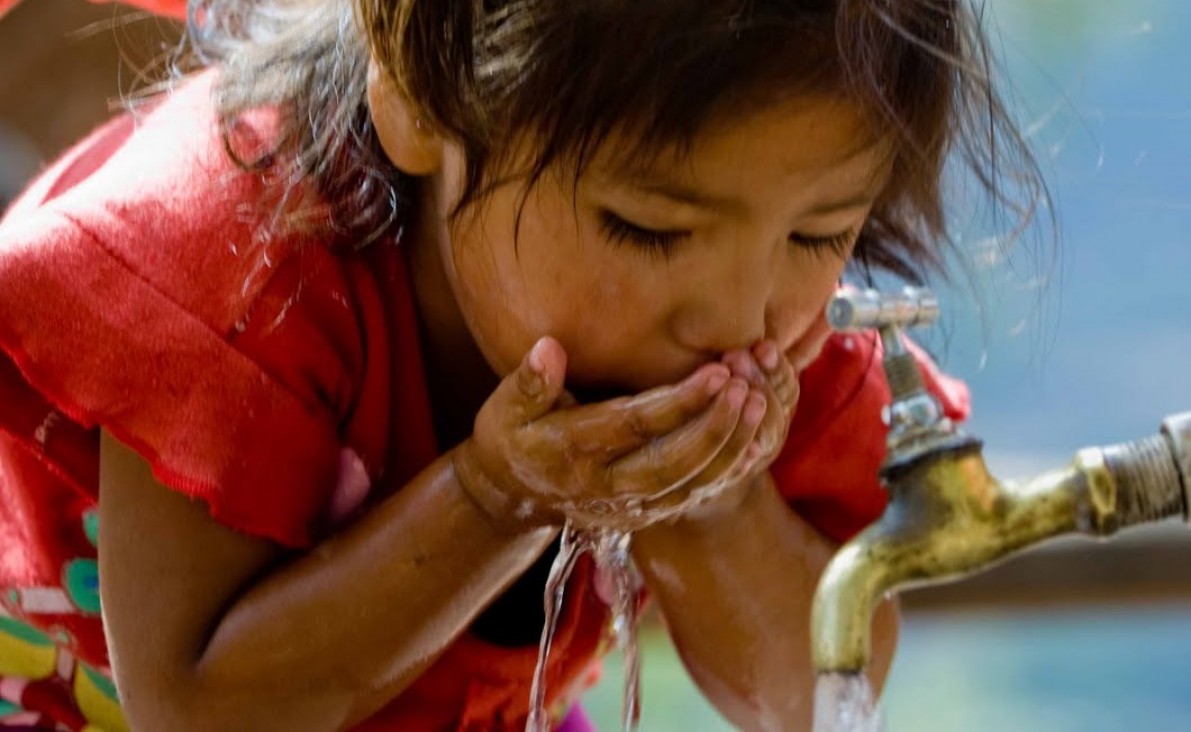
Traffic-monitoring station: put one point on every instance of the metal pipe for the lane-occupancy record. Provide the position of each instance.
(948, 518)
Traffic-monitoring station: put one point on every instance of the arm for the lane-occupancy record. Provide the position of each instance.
(212, 629)
(736, 589)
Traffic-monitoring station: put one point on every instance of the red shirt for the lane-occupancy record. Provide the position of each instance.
(170, 8)
(278, 381)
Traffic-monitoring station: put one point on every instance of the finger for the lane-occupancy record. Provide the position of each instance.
(671, 460)
(620, 425)
(533, 388)
(742, 364)
(771, 434)
(566, 400)
(782, 378)
(730, 462)
(767, 355)
(780, 374)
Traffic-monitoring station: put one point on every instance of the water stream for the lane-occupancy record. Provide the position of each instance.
(610, 551)
(844, 703)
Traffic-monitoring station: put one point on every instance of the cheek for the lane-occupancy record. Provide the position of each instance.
(573, 272)
(803, 298)
(554, 277)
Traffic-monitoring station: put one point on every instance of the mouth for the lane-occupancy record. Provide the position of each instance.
(596, 393)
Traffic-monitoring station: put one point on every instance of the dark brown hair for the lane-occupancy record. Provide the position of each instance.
(571, 72)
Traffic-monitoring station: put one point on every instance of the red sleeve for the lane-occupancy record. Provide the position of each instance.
(135, 295)
(170, 8)
(244, 419)
(828, 469)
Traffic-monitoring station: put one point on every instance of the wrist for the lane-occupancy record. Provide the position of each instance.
(506, 513)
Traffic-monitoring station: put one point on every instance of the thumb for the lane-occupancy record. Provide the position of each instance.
(534, 388)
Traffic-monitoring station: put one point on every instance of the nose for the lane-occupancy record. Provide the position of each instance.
(727, 311)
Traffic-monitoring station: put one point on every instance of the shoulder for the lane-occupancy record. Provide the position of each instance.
(152, 205)
(142, 288)
(158, 190)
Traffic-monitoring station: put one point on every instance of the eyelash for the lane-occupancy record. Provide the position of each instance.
(838, 244)
(621, 232)
(661, 243)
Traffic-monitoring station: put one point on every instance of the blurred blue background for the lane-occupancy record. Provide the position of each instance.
(1093, 349)
(1101, 348)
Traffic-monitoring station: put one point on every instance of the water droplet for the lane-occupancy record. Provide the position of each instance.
(42, 433)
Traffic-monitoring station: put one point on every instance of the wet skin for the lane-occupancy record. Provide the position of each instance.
(743, 267)
(240, 640)
(737, 286)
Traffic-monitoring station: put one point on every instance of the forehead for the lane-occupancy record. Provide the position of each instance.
(811, 139)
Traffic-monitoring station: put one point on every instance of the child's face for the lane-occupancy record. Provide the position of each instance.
(644, 275)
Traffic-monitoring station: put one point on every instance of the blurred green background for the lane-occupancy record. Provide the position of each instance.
(1068, 669)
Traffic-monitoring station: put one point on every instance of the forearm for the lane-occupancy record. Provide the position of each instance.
(333, 635)
(736, 592)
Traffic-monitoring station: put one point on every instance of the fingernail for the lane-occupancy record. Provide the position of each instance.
(535, 357)
(534, 383)
(767, 355)
(737, 391)
(716, 381)
(752, 452)
(755, 410)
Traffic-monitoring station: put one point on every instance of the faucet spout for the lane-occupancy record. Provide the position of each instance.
(948, 518)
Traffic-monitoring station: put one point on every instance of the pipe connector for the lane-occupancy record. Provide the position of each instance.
(1177, 431)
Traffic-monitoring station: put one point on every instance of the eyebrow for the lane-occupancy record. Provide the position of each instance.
(681, 193)
(648, 180)
(856, 200)
(675, 191)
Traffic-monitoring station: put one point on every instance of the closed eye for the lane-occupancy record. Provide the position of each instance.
(619, 231)
(838, 244)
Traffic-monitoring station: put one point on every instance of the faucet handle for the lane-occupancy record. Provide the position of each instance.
(914, 413)
(889, 313)
(853, 310)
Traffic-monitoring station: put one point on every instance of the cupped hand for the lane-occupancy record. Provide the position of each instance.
(535, 457)
(775, 373)
(773, 392)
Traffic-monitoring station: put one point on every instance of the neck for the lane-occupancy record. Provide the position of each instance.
(457, 375)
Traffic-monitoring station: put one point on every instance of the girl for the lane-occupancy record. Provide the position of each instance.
(304, 367)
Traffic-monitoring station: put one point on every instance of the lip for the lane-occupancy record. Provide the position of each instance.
(598, 394)
(589, 385)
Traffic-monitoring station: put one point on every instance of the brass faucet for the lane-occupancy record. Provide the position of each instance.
(947, 517)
